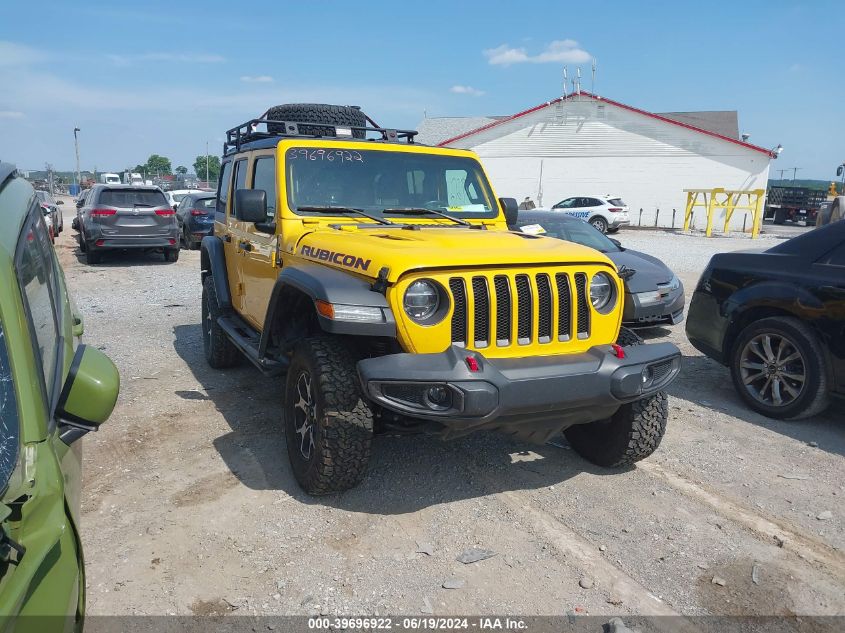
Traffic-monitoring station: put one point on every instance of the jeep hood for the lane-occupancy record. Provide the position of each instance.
(368, 250)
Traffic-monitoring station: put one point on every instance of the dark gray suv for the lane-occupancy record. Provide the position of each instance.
(125, 216)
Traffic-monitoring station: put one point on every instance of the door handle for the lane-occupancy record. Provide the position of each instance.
(245, 246)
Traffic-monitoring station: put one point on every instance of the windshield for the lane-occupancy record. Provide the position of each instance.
(132, 197)
(570, 230)
(375, 180)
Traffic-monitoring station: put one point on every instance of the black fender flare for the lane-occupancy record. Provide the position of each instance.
(213, 262)
(321, 283)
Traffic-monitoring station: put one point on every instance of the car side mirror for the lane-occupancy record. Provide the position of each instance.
(60, 201)
(88, 395)
(617, 242)
(251, 205)
(510, 207)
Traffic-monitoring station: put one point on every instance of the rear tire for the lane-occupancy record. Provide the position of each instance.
(316, 113)
(328, 422)
(92, 256)
(599, 223)
(812, 397)
(171, 255)
(219, 351)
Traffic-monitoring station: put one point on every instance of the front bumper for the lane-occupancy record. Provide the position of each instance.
(549, 392)
(654, 308)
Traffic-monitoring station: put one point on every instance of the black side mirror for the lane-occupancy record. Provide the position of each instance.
(615, 241)
(251, 205)
(510, 207)
(60, 201)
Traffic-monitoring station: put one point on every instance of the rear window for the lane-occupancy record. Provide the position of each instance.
(206, 204)
(616, 202)
(132, 198)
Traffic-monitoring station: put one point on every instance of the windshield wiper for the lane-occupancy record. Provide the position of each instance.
(331, 209)
(422, 210)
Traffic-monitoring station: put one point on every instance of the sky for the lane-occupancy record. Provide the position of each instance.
(168, 77)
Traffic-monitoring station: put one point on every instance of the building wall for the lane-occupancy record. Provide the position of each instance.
(589, 147)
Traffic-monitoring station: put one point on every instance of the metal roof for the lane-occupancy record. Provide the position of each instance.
(432, 131)
(587, 95)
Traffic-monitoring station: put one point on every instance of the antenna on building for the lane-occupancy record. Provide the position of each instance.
(565, 79)
(578, 89)
(593, 81)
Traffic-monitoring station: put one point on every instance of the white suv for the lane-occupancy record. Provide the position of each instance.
(606, 213)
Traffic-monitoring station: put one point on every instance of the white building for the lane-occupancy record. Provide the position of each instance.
(589, 145)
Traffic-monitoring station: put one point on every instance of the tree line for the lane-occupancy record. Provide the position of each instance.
(161, 166)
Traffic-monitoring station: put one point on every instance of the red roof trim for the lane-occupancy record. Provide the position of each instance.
(518, 115)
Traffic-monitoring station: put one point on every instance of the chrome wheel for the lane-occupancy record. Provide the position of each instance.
(772, 369)
(305, 415)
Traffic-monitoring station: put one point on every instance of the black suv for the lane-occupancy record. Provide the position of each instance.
(777, 319)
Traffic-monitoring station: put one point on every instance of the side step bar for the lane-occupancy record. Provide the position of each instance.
(246, 339)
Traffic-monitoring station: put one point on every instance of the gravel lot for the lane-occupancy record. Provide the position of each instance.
(190, 507)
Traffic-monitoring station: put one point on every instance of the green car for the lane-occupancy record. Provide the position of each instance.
(53, 390)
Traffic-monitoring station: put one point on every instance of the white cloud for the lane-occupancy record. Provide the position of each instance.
(10, 114)
(466, 90)
(183, 58)
(12, 54)
(257, 79)
(565, 51)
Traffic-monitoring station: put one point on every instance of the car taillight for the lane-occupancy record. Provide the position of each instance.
(45, 207)
(165, 212)
(96, 212)
(198, 212)
(614, 209)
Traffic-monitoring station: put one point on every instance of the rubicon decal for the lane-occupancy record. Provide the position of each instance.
(341, 259)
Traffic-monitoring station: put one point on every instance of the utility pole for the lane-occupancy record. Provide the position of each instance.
(781, 173)
(76, 145)
(206, 164)
(795, 171)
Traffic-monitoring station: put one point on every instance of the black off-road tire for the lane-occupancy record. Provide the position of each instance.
(779, 217)
(219, 351)
(813, 398)
(92, 256)
(171, 255)
(628, 337)
(631, 434)
(340, 419)
(316, 113)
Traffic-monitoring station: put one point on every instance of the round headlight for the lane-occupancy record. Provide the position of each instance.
(601, 291)
(421, 300)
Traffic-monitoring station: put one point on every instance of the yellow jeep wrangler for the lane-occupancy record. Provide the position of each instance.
(380, 277)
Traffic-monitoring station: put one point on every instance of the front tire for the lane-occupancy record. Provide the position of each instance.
(219, 351)
(778, 369)
(328, 423)
(632, 433)
(599, 223)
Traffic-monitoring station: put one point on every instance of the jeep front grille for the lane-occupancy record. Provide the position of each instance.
(519, 309)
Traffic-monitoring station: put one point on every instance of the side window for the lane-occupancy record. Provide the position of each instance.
(567, 204)
(264, 177)
(34, 266)
(223, 188)
(240, 181)
(9, 422)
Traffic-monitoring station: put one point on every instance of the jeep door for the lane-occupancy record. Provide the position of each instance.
(39, 474)
(225, 221)
(256, 247)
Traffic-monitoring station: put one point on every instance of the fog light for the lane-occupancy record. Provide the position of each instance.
(438, 397)
(648, 376)
(171, 241)
(100, 242)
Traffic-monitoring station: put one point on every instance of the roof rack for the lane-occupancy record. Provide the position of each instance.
(250, 131)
